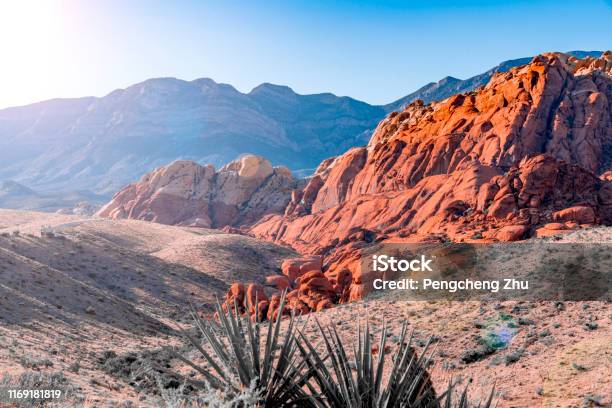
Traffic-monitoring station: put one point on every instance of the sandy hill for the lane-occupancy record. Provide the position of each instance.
(90, 286)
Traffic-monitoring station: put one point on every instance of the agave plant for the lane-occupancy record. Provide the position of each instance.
(240, 361)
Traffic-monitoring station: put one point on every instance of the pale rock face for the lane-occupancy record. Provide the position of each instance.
(238, 180)
(186, 193)
(182, 179)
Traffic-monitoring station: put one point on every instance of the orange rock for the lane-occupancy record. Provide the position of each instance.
(555, 226)
(296, 267)
(262, 311)
(578, 214)
(273, 306)
(572, 225)
(292, 294)
(340, 278)
(255, 293)
(317, 284)
(511, 233)
(186, 193)
(310, 264)
(291, 268)
(309, 275)
(237, 292)
(324, 304)
(299, 307)
(493, 164)
(235, 298)
(359, 291)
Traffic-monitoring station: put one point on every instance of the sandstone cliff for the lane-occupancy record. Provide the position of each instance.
(519, 157)
(186, 193)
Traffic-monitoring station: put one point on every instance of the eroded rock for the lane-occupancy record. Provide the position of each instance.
(186, 193)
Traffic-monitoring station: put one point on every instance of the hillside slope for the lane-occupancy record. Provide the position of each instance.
(99, 287)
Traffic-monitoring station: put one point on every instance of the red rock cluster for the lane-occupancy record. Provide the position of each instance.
(307, 289)
(517, 158)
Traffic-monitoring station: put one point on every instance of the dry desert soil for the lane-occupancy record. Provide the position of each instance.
(96, 301)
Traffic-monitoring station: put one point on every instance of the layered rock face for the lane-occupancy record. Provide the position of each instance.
(186, 193)
(519, 157)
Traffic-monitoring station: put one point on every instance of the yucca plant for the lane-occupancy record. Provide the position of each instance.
(357, 382)
(463, 402)
(287, 370)
(240, 361)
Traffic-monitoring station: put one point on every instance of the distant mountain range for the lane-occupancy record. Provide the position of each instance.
(435, 91)
(19, 197)
(101, 144)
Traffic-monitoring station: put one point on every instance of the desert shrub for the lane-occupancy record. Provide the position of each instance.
(358, 382)
(244, 369)
(287, 370)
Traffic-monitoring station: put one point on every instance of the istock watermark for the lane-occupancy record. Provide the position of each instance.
(383, 263)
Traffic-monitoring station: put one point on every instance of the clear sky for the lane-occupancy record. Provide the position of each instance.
(376, 51)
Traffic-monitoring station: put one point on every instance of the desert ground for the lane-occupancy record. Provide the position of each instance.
(96, 300)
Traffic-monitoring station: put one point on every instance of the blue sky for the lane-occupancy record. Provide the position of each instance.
(375, 51)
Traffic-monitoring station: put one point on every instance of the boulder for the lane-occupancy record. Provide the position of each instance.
(255, 293)
(235, 297)
(577, 214)
(555, 226)
(296, 267)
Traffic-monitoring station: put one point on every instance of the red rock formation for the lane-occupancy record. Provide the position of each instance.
(578, 214)
(185, 193)
(235, 297)
(492, 165)
(515, 159)
(296, 267)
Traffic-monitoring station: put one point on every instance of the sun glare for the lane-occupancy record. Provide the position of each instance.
(31, 39)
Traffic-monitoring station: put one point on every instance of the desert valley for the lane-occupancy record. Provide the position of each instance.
(95, 295)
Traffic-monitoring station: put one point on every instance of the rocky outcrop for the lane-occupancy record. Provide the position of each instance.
(497, 164)
(306, 287)
(186, 193)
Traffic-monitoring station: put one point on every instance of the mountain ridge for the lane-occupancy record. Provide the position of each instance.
(435, 91)
(102, 144)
